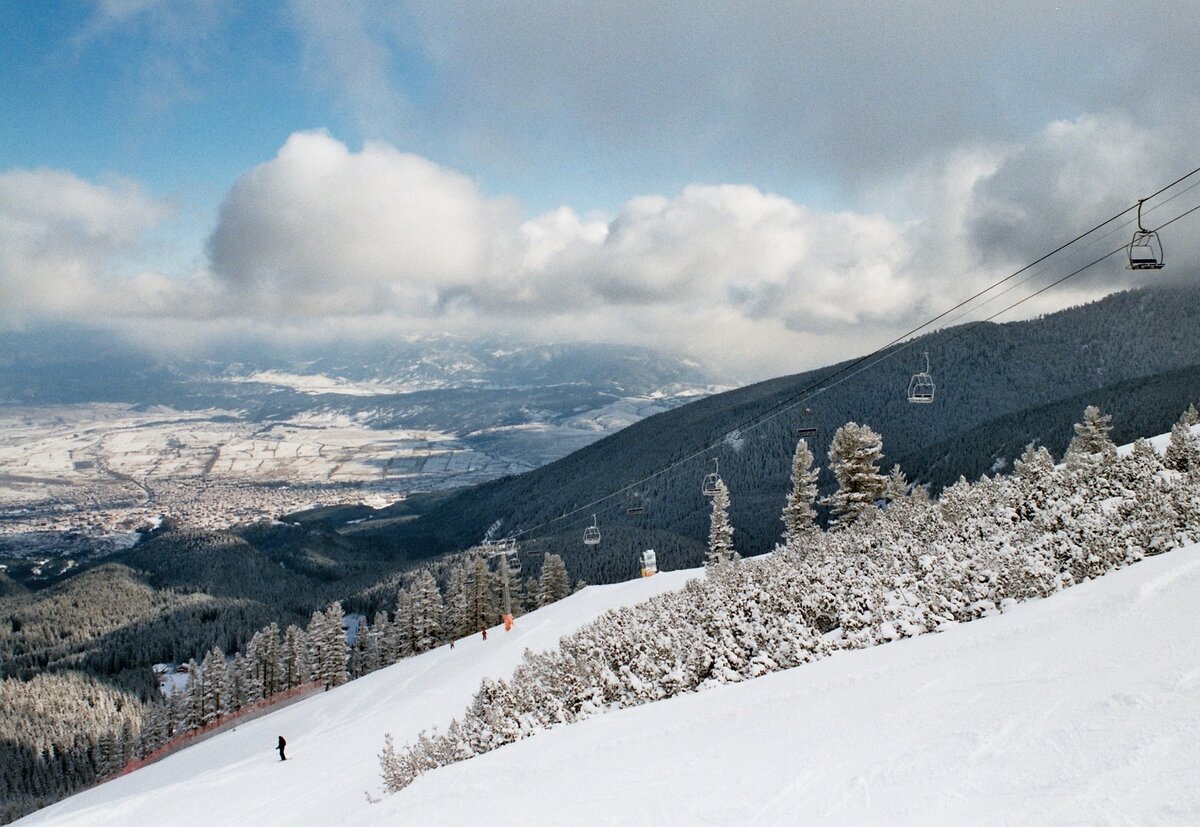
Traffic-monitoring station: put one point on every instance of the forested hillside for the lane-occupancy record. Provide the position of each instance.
(997, 385)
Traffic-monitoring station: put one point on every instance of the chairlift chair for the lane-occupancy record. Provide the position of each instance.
(709, 487)
(591, 534)
(807, 431)
(649, 563)
(1145, 250)
(920, 389)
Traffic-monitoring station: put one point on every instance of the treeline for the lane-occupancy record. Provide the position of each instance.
(895, 564)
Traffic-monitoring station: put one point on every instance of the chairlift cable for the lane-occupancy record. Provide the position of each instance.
(887, 351)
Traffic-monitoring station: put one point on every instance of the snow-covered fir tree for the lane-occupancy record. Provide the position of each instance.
(854, 456)
(294, 664)
(457, 620)
(720, 530)
(427, 610)
(401, 641)
(1091, 442)
(554, 583)
(1183, 448)
(799, 516)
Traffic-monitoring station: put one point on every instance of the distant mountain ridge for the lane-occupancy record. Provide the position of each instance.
(1133, 352)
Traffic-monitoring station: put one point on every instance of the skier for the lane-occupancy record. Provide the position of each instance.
(282, 744)
(484, 633)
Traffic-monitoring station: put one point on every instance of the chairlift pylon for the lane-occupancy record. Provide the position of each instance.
(591, 534)
(709, 487)
(920, 389)
(506, 550)
(1145, 250)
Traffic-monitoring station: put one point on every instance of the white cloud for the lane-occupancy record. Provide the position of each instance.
(321, 230)
(62, 241)
(325, 241)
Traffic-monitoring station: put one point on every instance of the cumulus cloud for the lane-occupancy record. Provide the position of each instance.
(321, 229)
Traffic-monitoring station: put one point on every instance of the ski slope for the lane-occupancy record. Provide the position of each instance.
(1083, 707)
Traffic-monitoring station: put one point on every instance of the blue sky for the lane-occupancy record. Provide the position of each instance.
(807, 178)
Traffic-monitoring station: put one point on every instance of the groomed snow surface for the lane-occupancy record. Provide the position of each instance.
(1080, 708)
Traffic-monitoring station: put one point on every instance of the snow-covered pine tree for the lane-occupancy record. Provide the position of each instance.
(799, 516)
(456, 622)
(401, 645)
(294, 663)
(554, 584)
(1183, 449)
(720, 530)
(427, 612)
(1091, 441)
(212, 681)
(376, 636)
(236, 680)
(854, 456)
(338, 652)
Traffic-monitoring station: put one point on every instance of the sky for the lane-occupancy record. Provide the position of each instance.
(765, 187)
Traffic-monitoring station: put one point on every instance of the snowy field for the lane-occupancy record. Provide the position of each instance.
(105, 469)
(102, 469)
(1080, 708)
(93, 442)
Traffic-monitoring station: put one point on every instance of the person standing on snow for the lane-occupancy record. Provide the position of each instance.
(282, 744)
(484, 633)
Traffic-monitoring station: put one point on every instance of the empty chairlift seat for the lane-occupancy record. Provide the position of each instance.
(921, 388)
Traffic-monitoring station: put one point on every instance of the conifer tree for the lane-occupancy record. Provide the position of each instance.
(720, 531)
(427, 612)
(1091, 441)
(799, 516)
(854, 456)
(212, 685)
(402, 641)
(295, 662)
(337, 651)
(457, 624)
(481, 604)
(554, 584)
(376, 636)
(1183, 449)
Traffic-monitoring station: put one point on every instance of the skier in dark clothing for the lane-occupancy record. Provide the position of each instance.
(282, 744)
(484, 633)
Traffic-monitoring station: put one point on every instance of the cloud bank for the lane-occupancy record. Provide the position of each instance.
(338, 242)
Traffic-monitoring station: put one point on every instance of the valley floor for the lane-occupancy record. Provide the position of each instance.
(1083, 707)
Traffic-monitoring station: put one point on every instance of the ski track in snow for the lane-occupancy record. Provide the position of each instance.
(1082, 707)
